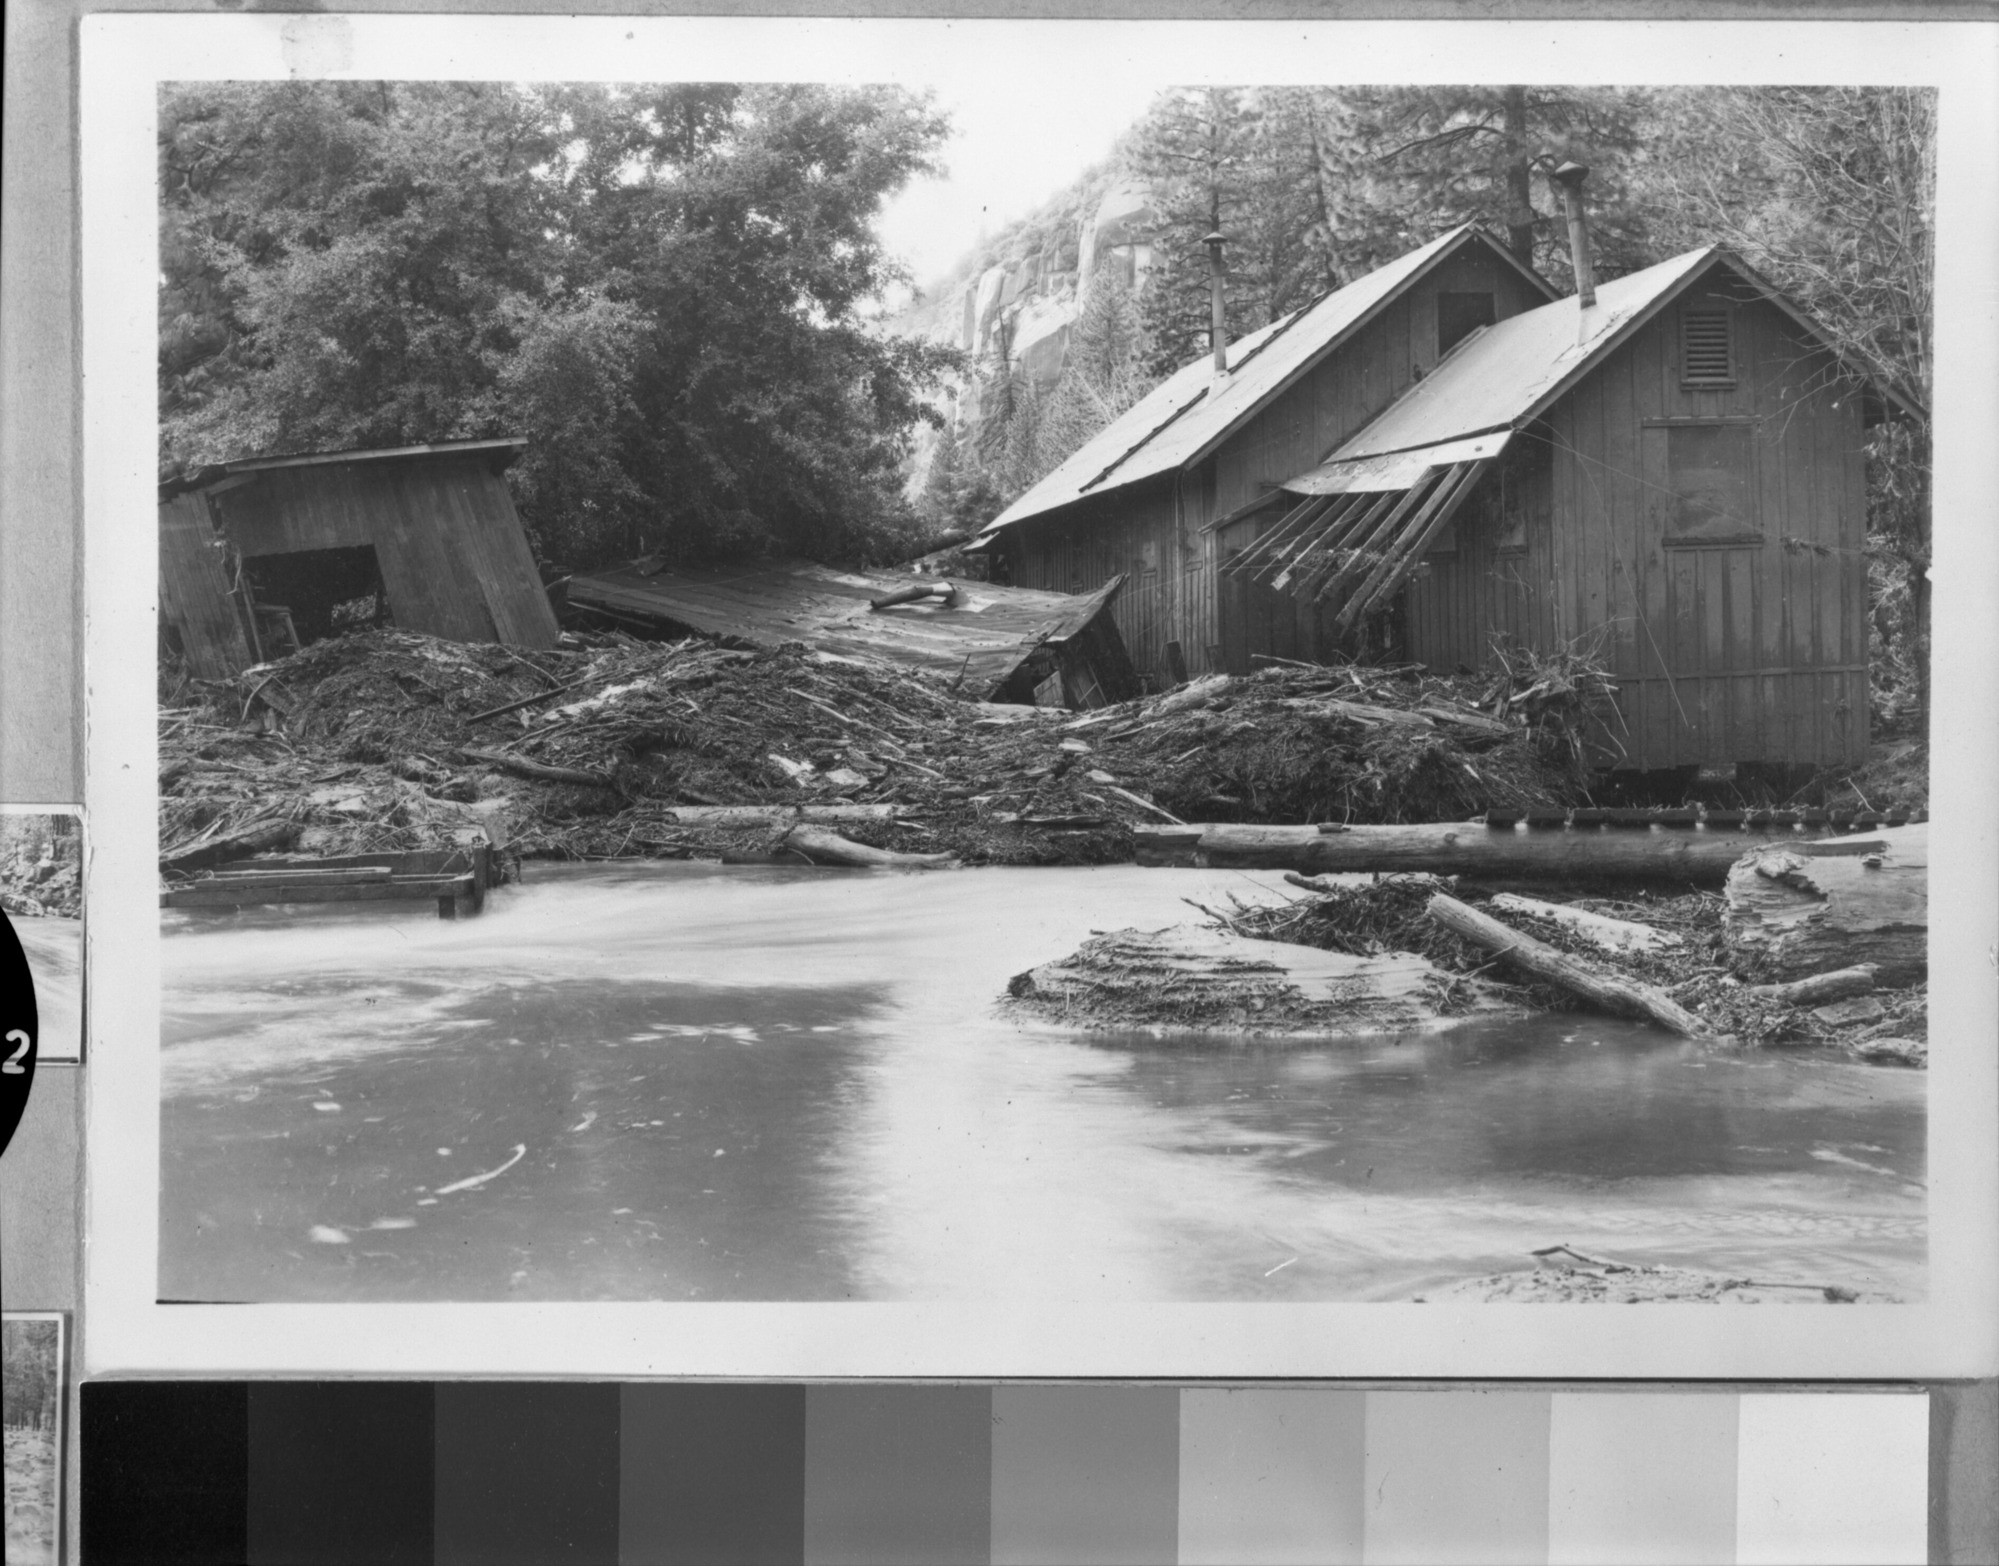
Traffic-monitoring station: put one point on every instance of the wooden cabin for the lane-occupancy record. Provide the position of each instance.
(1140, 499)
(990, 642)
(266, 554)
(1672, 476)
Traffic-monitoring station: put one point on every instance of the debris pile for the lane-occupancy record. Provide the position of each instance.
(1690, 961)
(387, 741)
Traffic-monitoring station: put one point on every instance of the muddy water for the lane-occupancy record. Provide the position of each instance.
(685, 1082)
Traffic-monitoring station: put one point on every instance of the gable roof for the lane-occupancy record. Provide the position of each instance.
(1510, 373)
(1192, 411)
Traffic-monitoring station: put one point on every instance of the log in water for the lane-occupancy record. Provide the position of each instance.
(1686, 855)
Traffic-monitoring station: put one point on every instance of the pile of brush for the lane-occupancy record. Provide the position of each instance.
(386, 740)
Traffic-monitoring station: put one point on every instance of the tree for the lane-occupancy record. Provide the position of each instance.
(1830, 192)
(661, 287)
(1439, 156)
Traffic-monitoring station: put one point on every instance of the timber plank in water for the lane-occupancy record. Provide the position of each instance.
(1191, 980)
(455, 878)
(1679, 854)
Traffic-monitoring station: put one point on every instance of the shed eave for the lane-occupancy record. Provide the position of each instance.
(499, 453)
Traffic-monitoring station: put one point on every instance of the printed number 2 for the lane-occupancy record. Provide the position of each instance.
(11, 1066)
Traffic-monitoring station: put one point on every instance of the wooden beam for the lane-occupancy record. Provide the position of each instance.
(1330, 542)
(313, 889)
(1395, 569)
(1335, 511)
(1287, 526)
(1356, 564)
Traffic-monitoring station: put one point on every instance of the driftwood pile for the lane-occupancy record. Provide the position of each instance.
(391, 741)
(1678, 961)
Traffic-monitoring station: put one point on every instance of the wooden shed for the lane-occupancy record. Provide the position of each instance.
(265, 554)
(1673, 475)
(993, 643)
(1141, 498)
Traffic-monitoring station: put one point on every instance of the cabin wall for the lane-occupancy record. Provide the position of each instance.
(1134, 531)
(1752, 650)
(1493, 579)
(1300, 429)
(454, 560)
(1157, 531)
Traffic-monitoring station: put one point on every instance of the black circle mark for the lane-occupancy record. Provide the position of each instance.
(20, 1023)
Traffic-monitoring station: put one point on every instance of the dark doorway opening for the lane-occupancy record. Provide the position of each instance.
(317, 593)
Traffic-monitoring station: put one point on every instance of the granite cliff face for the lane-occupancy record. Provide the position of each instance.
(1030, 279)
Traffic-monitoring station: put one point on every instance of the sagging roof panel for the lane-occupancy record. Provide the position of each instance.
(1187, 414)
(984, 634)
(1398, 471)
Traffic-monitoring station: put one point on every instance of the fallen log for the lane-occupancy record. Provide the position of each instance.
(256, 838)
(772, 815)
(947, 591)
(509, 762)
(1791, 913)
(1189, 696)
(1624, 997)
(829, 848)
(1189, 981)
(1684, 855)
(1820, 987)
(1612, 935)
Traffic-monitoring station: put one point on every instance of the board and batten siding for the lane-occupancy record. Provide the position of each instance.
(1722, 651)
(1156, 532)
(454, 560)
(195, 606)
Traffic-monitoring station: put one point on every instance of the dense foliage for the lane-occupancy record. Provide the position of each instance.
(662, 287)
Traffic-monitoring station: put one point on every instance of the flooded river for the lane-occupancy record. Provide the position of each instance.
(695, 1082)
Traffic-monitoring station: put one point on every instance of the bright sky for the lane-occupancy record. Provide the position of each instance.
(1016, 141)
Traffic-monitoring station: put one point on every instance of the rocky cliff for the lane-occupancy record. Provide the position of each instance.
(1029, 280)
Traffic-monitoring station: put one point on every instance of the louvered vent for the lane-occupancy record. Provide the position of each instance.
(1705, 359)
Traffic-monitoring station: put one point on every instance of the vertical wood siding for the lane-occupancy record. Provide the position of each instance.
(1723, 652)
(194, 591)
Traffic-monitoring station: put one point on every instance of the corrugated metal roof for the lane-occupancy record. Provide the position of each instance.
(1510, 371)
(1193, 409)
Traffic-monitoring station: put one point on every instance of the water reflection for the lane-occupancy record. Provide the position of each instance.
(682, 1082)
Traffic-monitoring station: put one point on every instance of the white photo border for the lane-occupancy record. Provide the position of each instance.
(124, 59)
